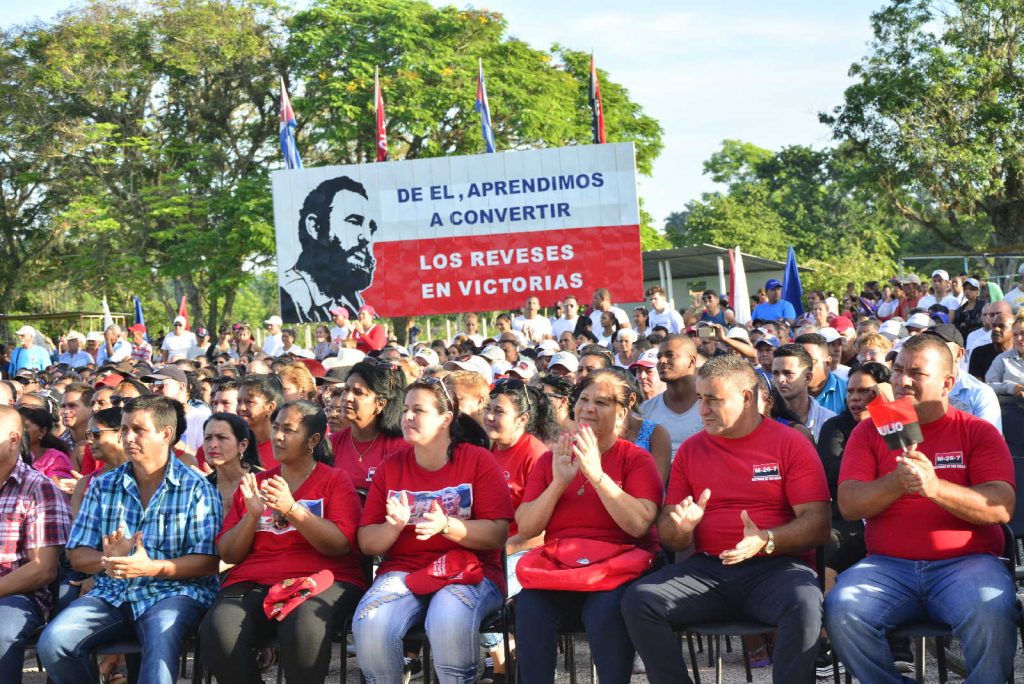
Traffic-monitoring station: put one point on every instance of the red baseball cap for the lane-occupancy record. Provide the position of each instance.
(842, 323)
(112, 380)
(138, 327)
(458, 566)
(366, 308)
(315, 368)
(286, 595)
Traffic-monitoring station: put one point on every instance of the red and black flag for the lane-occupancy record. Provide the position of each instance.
(896, 421)
(596, 108)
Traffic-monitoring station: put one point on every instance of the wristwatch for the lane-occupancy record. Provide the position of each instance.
(769, 548)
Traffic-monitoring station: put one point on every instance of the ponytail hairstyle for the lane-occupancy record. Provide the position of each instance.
(314, 422)
(541, 423)
(463, 428)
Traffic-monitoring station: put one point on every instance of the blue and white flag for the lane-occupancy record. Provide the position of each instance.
(288, 147)
(484, 109)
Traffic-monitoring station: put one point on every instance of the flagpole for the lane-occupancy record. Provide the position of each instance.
(381, 122)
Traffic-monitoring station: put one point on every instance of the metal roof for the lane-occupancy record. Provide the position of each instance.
(701, 261)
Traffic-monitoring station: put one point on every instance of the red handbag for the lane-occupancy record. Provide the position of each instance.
(582, 565)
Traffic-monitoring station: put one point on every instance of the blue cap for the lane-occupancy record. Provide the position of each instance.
(768, 339)
(940, 317)
(772, 284)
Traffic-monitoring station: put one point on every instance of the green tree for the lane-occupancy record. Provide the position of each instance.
(937, 117)
(797, 196)
(178, 106)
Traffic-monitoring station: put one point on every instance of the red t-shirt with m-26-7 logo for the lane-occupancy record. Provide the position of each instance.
(765, 473)
(964, 450)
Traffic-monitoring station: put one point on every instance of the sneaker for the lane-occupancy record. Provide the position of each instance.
(413, 669)
(902, 655)
(824, 663)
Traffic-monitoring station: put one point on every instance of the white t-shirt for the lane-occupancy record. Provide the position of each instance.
(888, 309)
(535, 329)
(977, 338)
(178, 345)
(595, 318)
(670, 318)
(680, 426)
(561, 325)
(1015, 298)
(949, 301)
(273, 346)
(339, 333)
(194, 420)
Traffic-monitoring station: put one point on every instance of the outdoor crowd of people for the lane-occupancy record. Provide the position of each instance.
(621, 473)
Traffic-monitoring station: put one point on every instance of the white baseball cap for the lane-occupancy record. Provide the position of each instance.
(566, 360)
(524, 368)
(830, 334)
(180, 319)
(548, 348)
(941, 273)
(427, 357)
(648, 359)
(891, 330)
(273, 320)
(26, 330)
(920, 320)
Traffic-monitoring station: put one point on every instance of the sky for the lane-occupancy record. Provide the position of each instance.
(707, 71)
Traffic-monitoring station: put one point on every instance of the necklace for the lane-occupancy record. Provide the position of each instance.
(583, 486)
(359, 453)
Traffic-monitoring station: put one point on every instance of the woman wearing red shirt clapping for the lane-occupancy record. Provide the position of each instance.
(593, 487)
(292, 521)
(440, 496)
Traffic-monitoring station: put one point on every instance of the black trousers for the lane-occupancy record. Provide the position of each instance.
(778, 591)
(236, 625)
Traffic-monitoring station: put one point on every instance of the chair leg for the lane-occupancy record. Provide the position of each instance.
(718, 659)
(693, 657)
(940, 659)
(746, 659)
(920, 669)
(428, 664)
(570, 657)
(711, 652)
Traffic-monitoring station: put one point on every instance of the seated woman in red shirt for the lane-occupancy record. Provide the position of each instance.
(518, 420)
(439, 496)
(369, 336)
(291, 521)
(371, 401)
(593, 486)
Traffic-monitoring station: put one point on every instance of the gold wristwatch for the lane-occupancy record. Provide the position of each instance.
(769, 548)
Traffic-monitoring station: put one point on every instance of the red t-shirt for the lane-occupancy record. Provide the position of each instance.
(515, 463)
(965, 450)
(470, 487)
(361, 468)
(765, 473)
(280, 553)
(584, 515)
(373, 339)
(266, 452)
(89, 464)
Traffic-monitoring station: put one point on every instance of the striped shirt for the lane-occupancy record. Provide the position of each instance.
(34, 514)
(182, 518)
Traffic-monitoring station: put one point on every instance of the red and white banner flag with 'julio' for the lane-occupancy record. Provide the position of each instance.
(456, 234)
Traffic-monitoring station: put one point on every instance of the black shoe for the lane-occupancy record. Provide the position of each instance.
(824, 663)
(491, 677)
(902, 654)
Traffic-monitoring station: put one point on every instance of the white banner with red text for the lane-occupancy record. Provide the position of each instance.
(457, 234)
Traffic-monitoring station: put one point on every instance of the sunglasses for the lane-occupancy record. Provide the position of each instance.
(507, 385)
(116, 400)
(430, 382)
(94, 432)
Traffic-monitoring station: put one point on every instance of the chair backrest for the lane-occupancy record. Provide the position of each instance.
(1013, 426)
(1017, 521)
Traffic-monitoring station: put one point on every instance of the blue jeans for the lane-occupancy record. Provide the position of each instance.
(452, 618)
(973, 595)
(19, 617)
(541, 614)
(90, 622)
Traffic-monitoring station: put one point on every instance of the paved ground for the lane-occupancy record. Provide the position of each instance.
(733, 672)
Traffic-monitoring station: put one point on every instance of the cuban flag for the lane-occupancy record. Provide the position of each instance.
(484, 109)
(288, 147)
(382, 127)
(596, 108)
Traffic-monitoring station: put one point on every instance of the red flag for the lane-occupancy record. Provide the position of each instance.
(382, 128)
(183, 310)
(596, 108)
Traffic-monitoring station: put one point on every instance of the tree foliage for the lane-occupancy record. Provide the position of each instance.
(797, 196)
(136, 139)
(937, 118)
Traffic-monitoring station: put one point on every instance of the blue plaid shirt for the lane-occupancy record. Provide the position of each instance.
(182, 518)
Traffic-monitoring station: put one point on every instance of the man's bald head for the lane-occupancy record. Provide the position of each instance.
(6, 394)
(1000, 307)
(11, 431)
